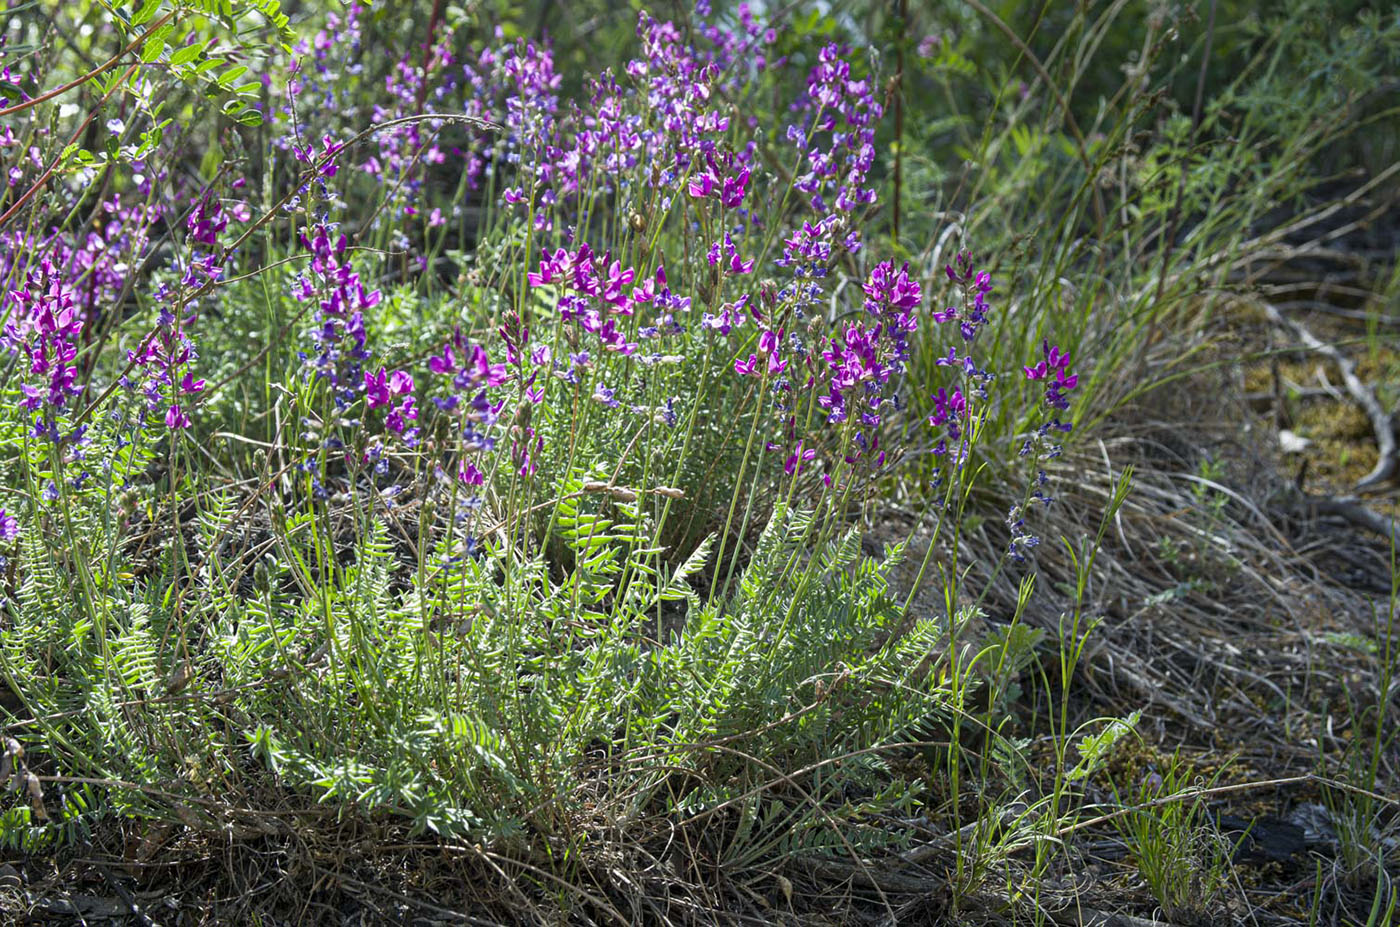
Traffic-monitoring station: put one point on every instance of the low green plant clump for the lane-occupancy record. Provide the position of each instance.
(452, 441)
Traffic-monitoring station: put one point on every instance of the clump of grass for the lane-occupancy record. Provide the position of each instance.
(1178, 852)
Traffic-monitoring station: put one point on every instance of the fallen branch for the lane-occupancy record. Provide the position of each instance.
(1350, 509)
(1389, 459)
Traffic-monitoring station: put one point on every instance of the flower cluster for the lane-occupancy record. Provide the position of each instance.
(854, 377)
(1054, 372)
(516, 87)
(596, 285)
(951, 410)
(725, 255)
(975, 285)
(891, 298)
(666, 114)
(161, 365)
(663, 120)
(873, 350)
(951, 415)
(343, 34)
(838, 138)
(471, 376)
(683, 85)
(769, 343)
(45, 326)
(739, 50)
(662, 141)
(323, 160)
(394, 391)
(157, 369)
(405, 150)
(729, 190)
(338, 337)
(204, 224)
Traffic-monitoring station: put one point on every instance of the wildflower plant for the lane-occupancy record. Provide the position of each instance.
(602, 493)
(483, 446)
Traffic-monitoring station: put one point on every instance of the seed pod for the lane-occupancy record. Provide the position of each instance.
(36, 797)
(179, 679)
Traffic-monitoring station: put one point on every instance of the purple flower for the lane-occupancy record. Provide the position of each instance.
(726, 255)
(949, 413)
(9, 526)
(1054, 371)
(206, 221)
(734, 188)
(175, 418)
(1056, 362)
(469, 474)
(702, 185)
(325, 161)
(376, 389)
(445, 363)
(768, 343)
(797, 460)
(524, 454)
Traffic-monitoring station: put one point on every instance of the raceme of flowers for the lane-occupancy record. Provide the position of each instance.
(659, 144)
